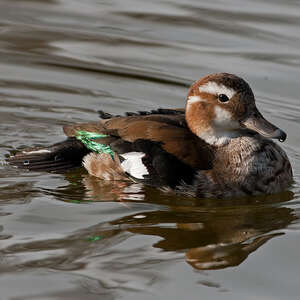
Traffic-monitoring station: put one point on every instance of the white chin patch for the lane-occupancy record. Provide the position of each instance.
(213, 88)
(133, 164)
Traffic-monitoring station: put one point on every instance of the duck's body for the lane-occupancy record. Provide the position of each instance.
(218, 146)
(247, 165)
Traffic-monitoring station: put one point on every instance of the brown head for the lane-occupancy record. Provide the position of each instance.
(221, 105)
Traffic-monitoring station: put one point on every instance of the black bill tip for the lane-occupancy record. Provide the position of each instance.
(280, 135)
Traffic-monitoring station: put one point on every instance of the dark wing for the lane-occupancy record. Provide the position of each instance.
(58, 157)
(69, 153)
(172, 152)
(170, 131)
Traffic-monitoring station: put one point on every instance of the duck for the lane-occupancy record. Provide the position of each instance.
(218, 146)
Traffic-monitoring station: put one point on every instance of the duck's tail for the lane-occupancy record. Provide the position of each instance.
(60, 156)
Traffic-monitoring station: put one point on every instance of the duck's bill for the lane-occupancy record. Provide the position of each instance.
(258, 123)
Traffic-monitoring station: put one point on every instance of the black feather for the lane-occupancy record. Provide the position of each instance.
(164, 168)
(160, 111)
(64, 155)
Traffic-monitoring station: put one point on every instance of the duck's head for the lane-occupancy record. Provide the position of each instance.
(220, 106)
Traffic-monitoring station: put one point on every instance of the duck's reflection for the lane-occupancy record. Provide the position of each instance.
(219, 256)
(210, 234)
(212, 239)
(213, 235)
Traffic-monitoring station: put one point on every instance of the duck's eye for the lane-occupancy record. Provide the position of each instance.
(223, 98)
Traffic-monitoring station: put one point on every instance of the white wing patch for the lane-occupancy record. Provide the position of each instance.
(216, 89)
(133, 164)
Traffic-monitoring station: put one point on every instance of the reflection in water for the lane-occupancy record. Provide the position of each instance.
(83, 188)
(212, 236)
(224, 255)
(117, 190)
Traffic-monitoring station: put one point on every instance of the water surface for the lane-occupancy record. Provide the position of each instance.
(70, 236)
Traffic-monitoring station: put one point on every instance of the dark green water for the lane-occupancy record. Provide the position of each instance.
(69, 236)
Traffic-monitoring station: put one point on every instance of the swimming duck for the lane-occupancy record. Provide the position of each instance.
(218, 146)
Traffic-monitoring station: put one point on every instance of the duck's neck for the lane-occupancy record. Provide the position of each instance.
(217, 137)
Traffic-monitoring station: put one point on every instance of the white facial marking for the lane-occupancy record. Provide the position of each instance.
(133, 164)
(222, 115)
(193, 99)
(213, 88)
(222, 129)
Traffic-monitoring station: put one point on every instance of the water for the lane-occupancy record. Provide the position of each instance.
(69, 236)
